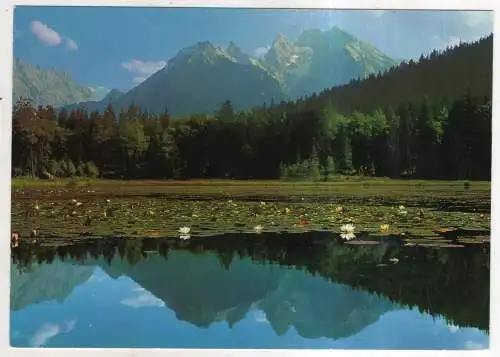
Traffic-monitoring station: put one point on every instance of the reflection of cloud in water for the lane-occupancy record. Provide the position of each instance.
(48, 331)
(453, 328)
(472, 345)
(260, 316)
(145, 299)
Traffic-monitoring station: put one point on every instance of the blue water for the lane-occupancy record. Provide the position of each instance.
(191, 300)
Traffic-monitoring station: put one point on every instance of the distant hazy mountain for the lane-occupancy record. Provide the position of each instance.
(46, 86)
(97, 105)
(50, 86)
(98, 92)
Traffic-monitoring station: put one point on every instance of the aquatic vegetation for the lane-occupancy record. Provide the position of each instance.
(140, 212)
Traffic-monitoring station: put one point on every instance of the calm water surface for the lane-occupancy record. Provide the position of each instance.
(243, 292)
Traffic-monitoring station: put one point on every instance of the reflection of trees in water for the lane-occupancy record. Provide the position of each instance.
(449, 282)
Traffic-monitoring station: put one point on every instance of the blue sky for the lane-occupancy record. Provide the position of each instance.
(119, 47)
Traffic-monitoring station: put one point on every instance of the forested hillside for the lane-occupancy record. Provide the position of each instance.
(428, 119)
(441, 76)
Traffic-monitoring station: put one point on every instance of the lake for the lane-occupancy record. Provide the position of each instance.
(270, 290)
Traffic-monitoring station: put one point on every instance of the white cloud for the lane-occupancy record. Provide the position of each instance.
(260, 317)
(143, 68)
(44, 334)
(45, 34)
(71, 44)
(453, 328)
(48, 331)
(261, 51)
(143, 300)
(138, 80)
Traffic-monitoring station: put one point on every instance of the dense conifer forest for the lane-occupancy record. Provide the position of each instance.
(427, 119)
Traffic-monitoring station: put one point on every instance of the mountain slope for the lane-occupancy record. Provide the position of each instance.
(199, 79)
(330, 58)
(46, 86)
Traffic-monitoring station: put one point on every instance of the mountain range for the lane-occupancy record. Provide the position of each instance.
(50, 86)
(200, 77)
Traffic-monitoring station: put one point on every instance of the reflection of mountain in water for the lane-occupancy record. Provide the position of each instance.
(196, 287)
(44, 282)
(288, 277)
(318, 308)
(200, 290)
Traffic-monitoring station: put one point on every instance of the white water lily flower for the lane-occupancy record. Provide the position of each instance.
(347, 236)
(339, 209)
(347, 228)
(258, 228)
(394, 260)
(347, 231)
(78, 204)
(401, 208)
(74, 200)
(184, 230)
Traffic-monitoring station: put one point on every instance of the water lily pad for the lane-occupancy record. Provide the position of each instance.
(441, 245)
(362, 242)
